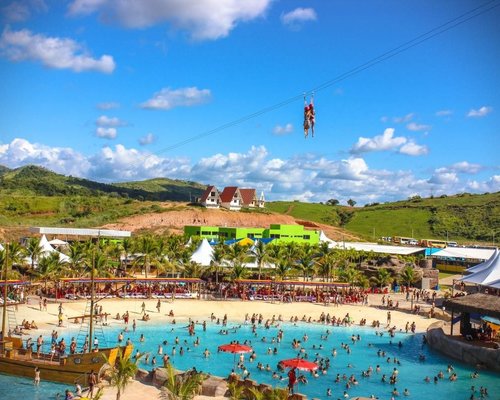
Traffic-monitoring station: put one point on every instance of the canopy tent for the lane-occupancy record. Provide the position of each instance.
(58, 242)
(464, 253)
(46, 249)
(203, 254)
(324, 238)
(485, 264)
(489, 275)
(378, 248)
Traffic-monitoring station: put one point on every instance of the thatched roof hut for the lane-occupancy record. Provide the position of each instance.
(484, 304)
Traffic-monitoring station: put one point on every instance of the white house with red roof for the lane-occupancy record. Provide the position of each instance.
(210, 197)
(231, 199)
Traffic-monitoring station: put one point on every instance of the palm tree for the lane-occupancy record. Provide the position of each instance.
(239, 271)
(350, 275)
(282, 268)
(76, 256)
(260, 255)
(179, 387)
(407, 275)
(121, 372)
(33, 250)
(192, 270)
(306, 262)
(383, 277)
(145, 245)
(218, 256)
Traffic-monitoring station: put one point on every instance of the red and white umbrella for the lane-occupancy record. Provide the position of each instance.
(299, 363)
(235, 348)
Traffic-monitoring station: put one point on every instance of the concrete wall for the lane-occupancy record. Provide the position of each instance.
(462, 351)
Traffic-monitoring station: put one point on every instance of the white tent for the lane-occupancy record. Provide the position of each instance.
(58, 242)
(485, 264)
(47, 249)
(472, 253)
(324, 238)
(377, 248)
(203, 254)
(488, 275)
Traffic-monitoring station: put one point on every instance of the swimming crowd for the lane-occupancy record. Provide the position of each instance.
(342, 382)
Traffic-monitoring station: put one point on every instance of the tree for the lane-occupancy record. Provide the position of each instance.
(121, 373)
(33, 250)
(383, 277)
(145, 245)
(332, 202)
(351, 203)
(407, 275)
(261, 255)
(179, 387)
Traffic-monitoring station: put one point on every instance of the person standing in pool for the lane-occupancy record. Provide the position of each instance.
(37, 376)
(292, 380)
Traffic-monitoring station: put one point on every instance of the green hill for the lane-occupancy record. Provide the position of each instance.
(33, 180)
(36, 196)
(462, 217)
(33, 195)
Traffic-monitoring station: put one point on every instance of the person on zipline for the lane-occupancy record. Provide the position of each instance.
(309, 117)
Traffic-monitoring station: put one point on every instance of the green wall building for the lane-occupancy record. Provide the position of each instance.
(277, 232)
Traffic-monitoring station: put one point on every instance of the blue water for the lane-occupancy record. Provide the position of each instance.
(363, 355)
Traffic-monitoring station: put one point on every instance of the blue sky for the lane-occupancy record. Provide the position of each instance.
(127, 90)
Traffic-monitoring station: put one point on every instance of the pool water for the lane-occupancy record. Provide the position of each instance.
(364, 353)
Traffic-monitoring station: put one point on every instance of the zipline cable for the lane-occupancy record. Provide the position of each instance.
(453, 23)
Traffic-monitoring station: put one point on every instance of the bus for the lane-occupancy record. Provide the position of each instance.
(440, 244)
(405, 240)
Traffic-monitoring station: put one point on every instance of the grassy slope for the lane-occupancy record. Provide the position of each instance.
(464, 217)
(35, 196)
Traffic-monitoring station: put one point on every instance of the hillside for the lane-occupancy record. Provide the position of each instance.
(462, 217)
(31, 196)
(33, 180)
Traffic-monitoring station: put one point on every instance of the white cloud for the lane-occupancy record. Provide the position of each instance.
(106, 121)
(481, 112)
(413, 126)
(106, 133)
(167, 98)
(444, 113)
(386, 141)
(403, 119)
(462, 167)
(299, 15)
(306, 177)
(203, 19)
(283, 130)
(52, 52)
(20, 10)
(443, 178)
(63, 160)
(412, 149)
(107, 106)
(147, 139)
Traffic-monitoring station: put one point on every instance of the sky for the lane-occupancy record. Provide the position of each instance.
(212, 91)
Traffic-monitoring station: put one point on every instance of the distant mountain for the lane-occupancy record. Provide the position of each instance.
(34, 180)
(3, 170)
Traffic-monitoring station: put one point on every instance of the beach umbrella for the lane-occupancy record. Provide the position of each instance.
(235, 348)
(299, 363)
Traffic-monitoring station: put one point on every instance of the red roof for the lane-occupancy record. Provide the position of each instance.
(207, 192)
(228, 193)
(248, 196)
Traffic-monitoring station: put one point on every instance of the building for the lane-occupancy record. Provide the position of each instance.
(276, 232)
(210, 197)
(232, 198)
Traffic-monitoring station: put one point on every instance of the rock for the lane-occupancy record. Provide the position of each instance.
(143, 375)
(159, 376)
(214, 386)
